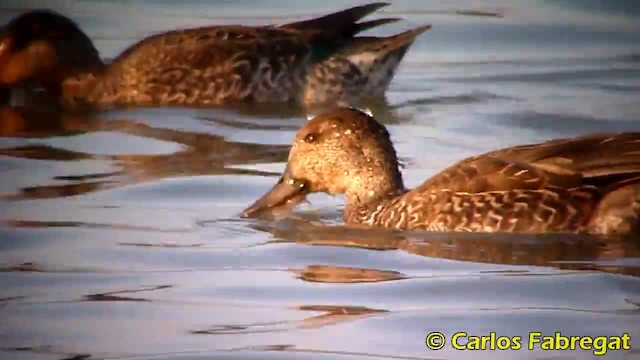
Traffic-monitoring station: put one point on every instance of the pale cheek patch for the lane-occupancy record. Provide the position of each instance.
(5, 45)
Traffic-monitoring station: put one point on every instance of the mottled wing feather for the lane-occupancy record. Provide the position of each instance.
(552, 186)
(543, 210)
(216, 64)
(592, 155)
(488, 173)
(563, 163)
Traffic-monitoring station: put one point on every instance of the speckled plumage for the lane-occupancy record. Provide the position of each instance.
(585, 184)
(305, 63)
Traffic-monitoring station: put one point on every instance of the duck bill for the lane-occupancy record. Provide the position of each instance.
(287, 192)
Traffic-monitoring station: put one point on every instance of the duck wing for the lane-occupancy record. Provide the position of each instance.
(587, 183)
(231, 61)
(218, 43)
(606, 161)
(214, 64)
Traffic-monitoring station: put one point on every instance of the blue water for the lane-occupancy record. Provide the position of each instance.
(120, 236)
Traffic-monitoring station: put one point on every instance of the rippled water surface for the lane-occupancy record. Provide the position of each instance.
(120, 236)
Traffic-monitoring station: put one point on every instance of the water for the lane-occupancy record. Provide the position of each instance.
(120, 236)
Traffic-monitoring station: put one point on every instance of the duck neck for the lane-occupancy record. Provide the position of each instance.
(369, 192)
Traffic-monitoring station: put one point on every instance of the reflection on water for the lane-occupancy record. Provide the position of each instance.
(329, 315)
(564, 251)
(120, 234)
(122, 295)
(203, 154)
(337, 274)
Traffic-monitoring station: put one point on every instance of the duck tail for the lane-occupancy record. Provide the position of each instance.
(377, 47)
(342, 24)
(402, 40)
(378, 57)
(366, 25)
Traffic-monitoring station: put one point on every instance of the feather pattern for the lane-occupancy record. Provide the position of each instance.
(305, 63)
(583, 184)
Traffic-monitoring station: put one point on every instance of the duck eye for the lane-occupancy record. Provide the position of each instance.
(310, 138)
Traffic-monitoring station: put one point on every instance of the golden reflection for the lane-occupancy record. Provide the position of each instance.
(202, 153)
(339, 274)
(336, 314)
(564, 251)
(56, 191)
(330, 315)
(42, 152)
(36, 123)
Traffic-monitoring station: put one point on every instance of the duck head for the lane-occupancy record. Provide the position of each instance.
(44, 46)
(344, 151)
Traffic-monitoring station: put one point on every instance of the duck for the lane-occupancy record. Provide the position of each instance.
(317, 61)
(587, 184)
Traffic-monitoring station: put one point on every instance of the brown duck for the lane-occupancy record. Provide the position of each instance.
(585, 184)
(303, 63)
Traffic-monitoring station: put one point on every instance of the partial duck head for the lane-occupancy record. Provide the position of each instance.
(45, 47)
(345, 151)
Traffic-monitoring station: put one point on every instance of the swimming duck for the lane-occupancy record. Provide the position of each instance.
(302, 63)
(587, 184)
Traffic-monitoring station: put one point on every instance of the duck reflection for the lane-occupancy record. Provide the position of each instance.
(201, 153)
(341, 274)
(124, 295)
(563, 251)
(20, 122)
(329, 315)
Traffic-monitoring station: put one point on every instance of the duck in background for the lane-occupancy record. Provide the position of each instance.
(588, 184)
(304, 63)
